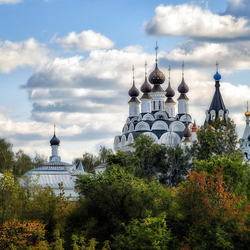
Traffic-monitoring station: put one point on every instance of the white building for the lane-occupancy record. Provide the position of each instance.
(157, 117)
(56, 172)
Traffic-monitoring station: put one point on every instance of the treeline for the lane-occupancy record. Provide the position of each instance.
(18, 162)
(155, 198)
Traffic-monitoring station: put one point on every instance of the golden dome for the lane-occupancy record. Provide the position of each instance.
(247, 113)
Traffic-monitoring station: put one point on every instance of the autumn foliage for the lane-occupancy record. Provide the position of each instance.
(213, 212)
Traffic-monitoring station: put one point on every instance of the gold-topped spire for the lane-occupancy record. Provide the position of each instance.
(247, 113)
(156, 48)
(145, 68)
(54, 129)
(217, 66)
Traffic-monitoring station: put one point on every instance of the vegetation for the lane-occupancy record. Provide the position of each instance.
(154, 198)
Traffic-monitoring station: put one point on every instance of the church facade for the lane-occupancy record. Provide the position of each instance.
(155, 114)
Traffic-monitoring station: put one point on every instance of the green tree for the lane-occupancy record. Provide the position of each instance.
(38, 160)
(103, 153)
(217, 139)
(22, 163)
(89, 162)
(150, 233)
(178, 164)
(114, 197)
(148, 156)
(6, 155)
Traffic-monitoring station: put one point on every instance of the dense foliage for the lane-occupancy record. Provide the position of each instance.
(154, 198)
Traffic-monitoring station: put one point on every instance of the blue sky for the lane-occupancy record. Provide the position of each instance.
(69, 63)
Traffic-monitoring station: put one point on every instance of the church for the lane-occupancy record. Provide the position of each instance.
(158, 116)
(56, 172)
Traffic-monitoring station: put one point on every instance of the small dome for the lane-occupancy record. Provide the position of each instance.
(156, 77)
(54, 141)
(183, 88)
(170, 91)
(247, 113)
(133, 92)
(146, 88)
(217, 76)
(187, 132)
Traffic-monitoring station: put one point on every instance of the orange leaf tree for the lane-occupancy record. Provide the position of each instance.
(214, 218)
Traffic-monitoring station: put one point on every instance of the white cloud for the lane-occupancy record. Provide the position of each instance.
(84, 41)
(192, 21)
(19, 54)
(203, 54)
(10, 1)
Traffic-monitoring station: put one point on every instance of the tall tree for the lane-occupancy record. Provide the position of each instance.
(103, 153)
(6, 155)
(217, 139)
(22, 163)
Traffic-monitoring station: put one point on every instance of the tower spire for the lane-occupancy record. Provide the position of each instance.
(183, 68)
(217, 66)
(145, 68)
(169, 69)
(156, 48)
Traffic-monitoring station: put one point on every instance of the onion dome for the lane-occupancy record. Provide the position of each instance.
(54, 141)
(187, 133)
(247, 113)
(169, 91)
(146, 87)
(156, 77)
(194, 128)
(217, 76)
(183, 88)
(133, 92)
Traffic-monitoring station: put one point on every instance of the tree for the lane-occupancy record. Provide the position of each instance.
(38, 160)
(114, 197)
(89, 162)
(6, 155)
(178, 164)
(150, 233)
(150, 157)
(213, 216)
(22, 163)
(217, 139)
(103, 153)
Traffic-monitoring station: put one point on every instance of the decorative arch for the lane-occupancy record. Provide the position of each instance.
(128, 120)
(125, 128)
(116, 142)
(148, 117)
(170, 139)
(186, 117)
(123, 141)
(177, 126)
(159, 125)
(151, 135)
(130, 138)
(131, 127)
(142, 126)
(161, 115)
(134, 119)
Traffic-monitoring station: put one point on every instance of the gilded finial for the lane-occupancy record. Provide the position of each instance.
(217, 64)
(54, 129)
(145, 67)
(247, 105)
(169, 69)
(183, 68)
(133, 70)
(156, 48)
